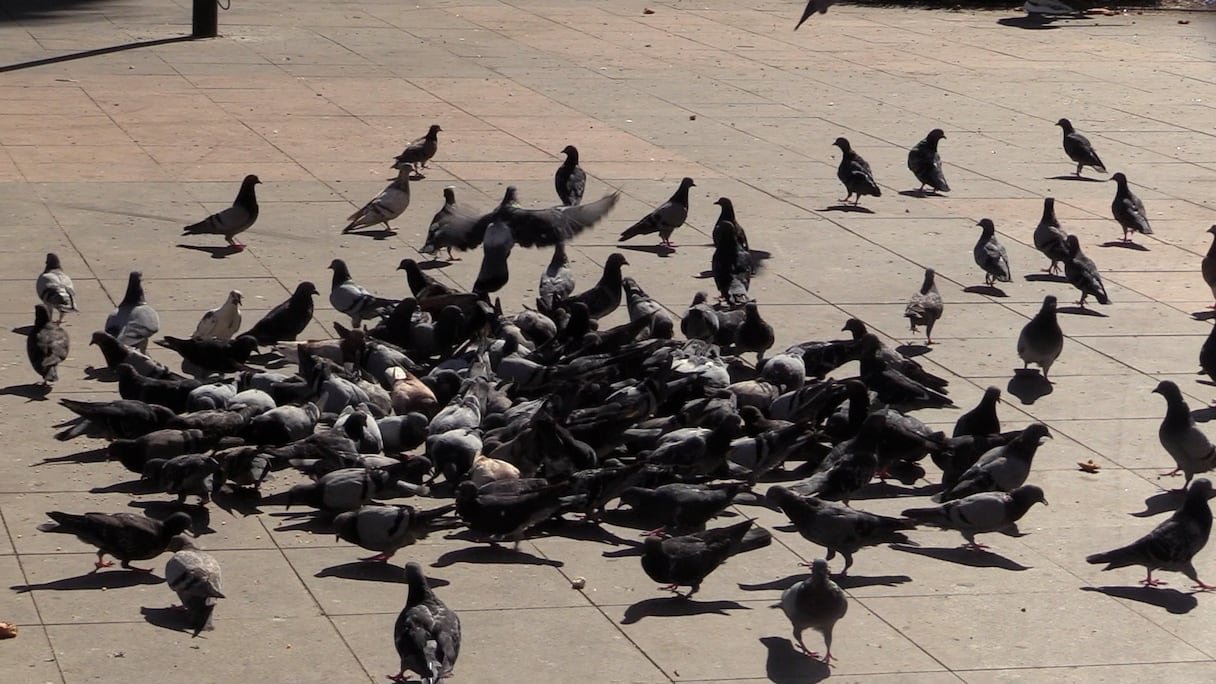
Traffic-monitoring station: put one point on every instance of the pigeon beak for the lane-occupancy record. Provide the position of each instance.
(1045, 501)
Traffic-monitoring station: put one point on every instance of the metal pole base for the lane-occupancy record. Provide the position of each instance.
(206, 19)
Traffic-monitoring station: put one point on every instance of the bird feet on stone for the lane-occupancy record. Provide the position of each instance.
(975, 546)
(378, 558)
(99, 564)
(1203, 586)
(1173, 473)
(1150, 582)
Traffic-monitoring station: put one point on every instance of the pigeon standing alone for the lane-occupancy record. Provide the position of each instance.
(418, 153)
(46, 346)
(1041, 339)
(54, 287)
(665, 218)
(815, 602)
(570, 179)
(1192, 451)
(1050, 238)
(1128, 210)
(235, 219)
(855, 173)
(195, 576)
(926, 306)
(427, 632)
(1079, 149)
(223, 321)
(134, 322)
(391, 203)
(990, 255)
(926, 164)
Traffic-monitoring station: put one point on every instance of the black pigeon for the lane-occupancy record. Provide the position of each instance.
(173, 394)
(894, 359)
(427, 632)
(233, 220)
(1192, 451)
(855, 173)
(680, 507)
(925, 306)
(1002, 469)
(134, 322)
(1129, 210)
(665, 218)
(125, 536)
(816, 603)
(837, 527)
(1041, 339)
(1078, 148)
(213, 353)
(1173, 544)
(732, 264)
(813, 6)
(421, 284)
(893, 386)
(570, 179)
(926, 164)
(849, 467)
(508, 509)
(440, 234)
(990, 255)
(605, 296)
(1208, 266)
(981, 420)
(287, 320)
(755, 334)
(118, 419)
(1050, 238)
(1082, 273)
(686, 561)
(116, 354)
(416, 154)
(46, 346)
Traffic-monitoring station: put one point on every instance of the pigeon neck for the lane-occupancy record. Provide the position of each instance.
(1021, 502)
(1212, 247)
(134, 294)
(1049, 216)
(1177, 413)
(571, 159)
(341, 275)
(681, 194)
(1196, 509)
(247, 197)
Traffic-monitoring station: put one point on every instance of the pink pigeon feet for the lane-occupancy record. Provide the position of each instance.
(102, 564)
(975, 546)
(1203, 586)
(399, 678)
(378, 558)
(1150, 582)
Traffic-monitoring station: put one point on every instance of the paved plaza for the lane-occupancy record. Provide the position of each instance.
(104, 159)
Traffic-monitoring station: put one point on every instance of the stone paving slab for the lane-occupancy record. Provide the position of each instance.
(103, 159)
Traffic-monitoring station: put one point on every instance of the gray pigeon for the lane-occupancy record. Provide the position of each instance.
(1003, 469)
(391, 203)
(134, 322)
(1190, 448)
(855, 173)
(1050, 238)
(1078, 148)
(1128, 209)
(978, 513)
(353, 299)
(418, 153)
(570, 179)
(196, 578)
(1041, 339)
(427, 632)
(557, 282)
(990, 255)
(54, 287)
(233, 220)
(1082, 273)
(386, 529)
(813, 6)
(126, 536)
(1208, 266)
(1173, 544)
(665, 218)
(816, 603)
(642, 305)
(46, 346)
(443, 232)
(837, 527)
(925, 306)
(926, 164)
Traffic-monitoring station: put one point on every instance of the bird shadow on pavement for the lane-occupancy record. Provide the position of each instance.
(1134, 246)
(381, 234)
(30, 391)
(1161, 502)
(883, 489)
(102, 374)
(913, 349)
(1204, 414)
(775, 585)
(972, 558)
(582, 531)
(98, 455)
(136, 486)
(920, 193)
(1045, 278)
(677, 606)
(1172, 600)
(237, 500)
(1029, 385)
(848, 209)
(1205, 315)
(658, 250)
(367, 572)
(215, 252)
(987, 290)
(1030, 22)
(304, 521)
(1081, 311)
(785, 664)
(1071, 177)
(172, 619)
(497, 555)
(433, 264)
(91, 581)
(23, 330)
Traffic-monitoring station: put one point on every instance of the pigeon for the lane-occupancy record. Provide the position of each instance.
(386, 529)
(233, 220)
(681, 507)
(427, 632)
(570, 179)
(643, 306)
(116, 354)
(46, 346)
(979, 513)
(813, 6)
(1082, 273)
(508, 509)
(925, 306)
(557, 282)
(990, 255)
(1041, 339)
(1049, 238)
(981, 420)
(732, 263)
(1004, 468)
(665, 218)
(1190, 448)
(755, 334)
(893, 359)
(1078, 148)
(1129, 210)
(892, 385)
(213, 353)
(288, 319)
(1207, 355)
(926, 164)
(816, 603)
(1208, 267)
(1173, 544)
(605, 296)
(126, 536)
(837, 527)
(352, 299)
(282, 425)
(347, 489)
(134, 322)
(196, 578)
(443, 233)
(223, 321)
(118, 419)
(687, 560)
(391, 203)
(54, 287)
(416, 154)
(855, 173)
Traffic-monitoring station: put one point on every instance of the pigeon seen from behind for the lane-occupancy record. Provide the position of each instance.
(570, 179)
(54, 287)
(134, 322)
(1128, 210)
(1050, 238)
(427, 632)
(925, 306)
(287, 319)
(46, 346)
(1041, 339)
(195, 576)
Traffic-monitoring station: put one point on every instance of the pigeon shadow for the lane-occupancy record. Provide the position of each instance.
(883, 489)
(1084, 179)
(305, 522)
(93, 581)
(172, 619)
(1161, 502)
(920, 193)
(1204, 414)
(237, 500)
(433, 264)
(972, 558)
(859, 581)
(102, 374)
(137, 486)
(1134, 246)
(848, 209)
(98, 455)
(1172, 600)
(913, 350)
(785, 664)
(582, 531)
(1030, 22)
(658, 250)
(1029, 386)
(31, 391)
(496, 555)
(1081, 311)
(215, 252)
(1045, 278)
(366, 572)
(677, 606)
(380, 234)
(987, 290)
(775, 585)
(1206, 315)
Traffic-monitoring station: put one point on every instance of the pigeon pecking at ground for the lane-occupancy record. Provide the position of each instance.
(816, 603)
(926, 164)
(1192, 451)
(570, 178)
(427, 632)
(223, 321)
(854, 172)
(54, 287)
(1079, 149)
(1128, 210)
(665, 218)
(1041, 339)
(195, 576)
(837, 527)
(235, 219)
(125, 536)
(687, 560)
(925, 306)
(134, 322)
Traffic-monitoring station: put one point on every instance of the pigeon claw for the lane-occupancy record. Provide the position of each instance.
(1150, 582)
(975, 546)
(1203, 586)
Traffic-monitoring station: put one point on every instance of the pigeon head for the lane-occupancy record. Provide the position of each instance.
(1049, 303)
(341, 272)
(466, 491)
(510, 197)
(571, 153)
(1049, 212)
(687, 183)
(855, 326)
(699, 298)
(1201, 489)
(987, 225)
(415, 577)
(1073, 245)
(992, 395)
(181, 542)
(843, 144)
(407, 265)
(355, 425)
(1168, 389)
(177, 523)
(52, 261)
(449, 195)
(244, 345)
(433, 131)
(819, 569)
(1120, 179)
(937, 134)
(1212, 229)
(41, 316)
(615, 261)
(1029, 495)
(930, 275)
(135, 289)
(1035, 433)
(305, 289)
(752, 310)
(251, 180)
(1065, 124)
(235, 297)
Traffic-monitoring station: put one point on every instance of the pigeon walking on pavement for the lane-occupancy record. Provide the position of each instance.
(570, 179)
(1192, 451)
(445, 229)
(854, 172)
(54, 287)
(287, 319)
(980, 512)
(134, 322)
(235, 219)
(391, 203)
(837, 527)
(1041, 339)
(47, 345)
(816, 603)
(1079, 149)
(223, 321)
(125, 536)
(990, 255)
(418, 153)
(1002, 469)
(925, 306)
(1128, 210)
(1050, 238)
(427, 632)
(665, 218)
(1082, 273)
(926, 164)
(195, 576)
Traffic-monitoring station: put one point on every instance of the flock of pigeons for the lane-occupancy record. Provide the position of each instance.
(522, 419)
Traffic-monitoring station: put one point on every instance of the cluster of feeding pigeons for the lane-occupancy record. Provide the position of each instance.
(511, 423)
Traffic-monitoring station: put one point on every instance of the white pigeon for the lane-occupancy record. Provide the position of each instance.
(54, 287)
(222, 321)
